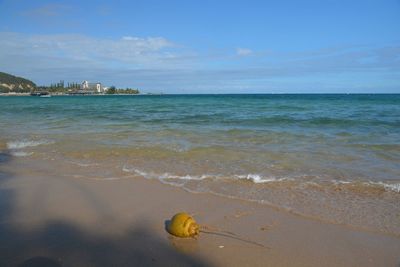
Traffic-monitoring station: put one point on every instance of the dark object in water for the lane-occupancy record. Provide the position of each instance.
(39, 93)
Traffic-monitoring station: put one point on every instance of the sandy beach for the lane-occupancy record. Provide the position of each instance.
(48, 219)
(199, 133)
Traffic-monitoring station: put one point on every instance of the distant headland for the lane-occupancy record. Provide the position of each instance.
(14, 85)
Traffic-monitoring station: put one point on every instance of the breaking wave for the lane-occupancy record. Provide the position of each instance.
(395, 187)
(163, 176)
(260, 179)
(19, 144)
(21, 154)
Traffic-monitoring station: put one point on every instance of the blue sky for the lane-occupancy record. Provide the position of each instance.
(206, 46)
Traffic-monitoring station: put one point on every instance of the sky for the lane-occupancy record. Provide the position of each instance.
(206, 46)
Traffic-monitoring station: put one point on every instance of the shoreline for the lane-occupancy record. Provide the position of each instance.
(210, 94)
(28, 94)
(80, 222)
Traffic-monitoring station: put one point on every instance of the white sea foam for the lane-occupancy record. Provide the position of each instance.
(258, 179)
(255, 178)
(19, 144)
(186, 177)
(339, 182)
(133, 170)
(395, 187)
(165, 175)
(251, 177)
(21, 154)
(81, 164)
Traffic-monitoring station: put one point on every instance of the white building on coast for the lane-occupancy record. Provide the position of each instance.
(87, 86)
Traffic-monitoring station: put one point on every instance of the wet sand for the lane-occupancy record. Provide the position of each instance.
(47, 219)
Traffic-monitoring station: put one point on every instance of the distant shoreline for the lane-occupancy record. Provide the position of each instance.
(28, 94)
(158, 94)
(15, 94)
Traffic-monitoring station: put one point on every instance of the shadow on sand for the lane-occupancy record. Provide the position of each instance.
(63, 244)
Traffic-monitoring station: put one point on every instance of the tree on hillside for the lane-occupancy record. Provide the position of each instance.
(111, 90)
(11, 79)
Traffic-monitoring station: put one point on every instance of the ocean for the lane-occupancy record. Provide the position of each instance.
(329, 157)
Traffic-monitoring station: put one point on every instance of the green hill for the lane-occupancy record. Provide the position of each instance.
(11, 83)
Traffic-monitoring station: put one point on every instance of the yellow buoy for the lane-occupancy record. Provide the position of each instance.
(183, 225)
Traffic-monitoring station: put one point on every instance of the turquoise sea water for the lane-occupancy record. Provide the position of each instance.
(332, 157)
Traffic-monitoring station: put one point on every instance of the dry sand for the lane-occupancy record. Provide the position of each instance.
(47, 219)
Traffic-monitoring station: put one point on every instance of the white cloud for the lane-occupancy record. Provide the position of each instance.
(129, 38)
(160, 64)
(243, 52)
(154, 43)
(127, 50)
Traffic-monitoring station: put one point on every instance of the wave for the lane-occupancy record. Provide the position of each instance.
(267, 119)
(395, 187)
(163, 176)
(133, 170)
(82, 164)
(19, 144)
(320, 121)
(300, 180)
(21, 154)
(258, 179)
(254, 178)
